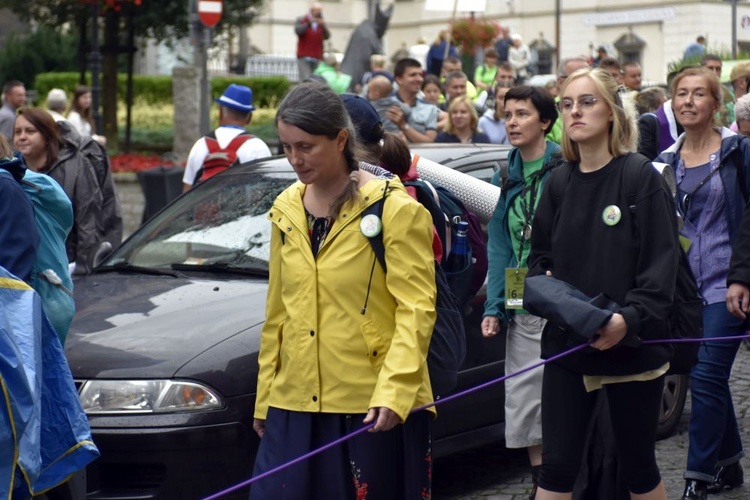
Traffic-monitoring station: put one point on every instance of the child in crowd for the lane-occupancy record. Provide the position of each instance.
(380, 94)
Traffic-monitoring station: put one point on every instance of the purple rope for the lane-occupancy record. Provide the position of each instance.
(369, 426)
(440, 401)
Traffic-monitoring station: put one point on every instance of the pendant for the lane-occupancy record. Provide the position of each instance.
(527, 233)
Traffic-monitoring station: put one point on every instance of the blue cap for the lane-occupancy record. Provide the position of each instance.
(237, 97)
(364, 117)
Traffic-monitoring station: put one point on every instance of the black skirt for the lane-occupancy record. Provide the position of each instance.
(396, 464)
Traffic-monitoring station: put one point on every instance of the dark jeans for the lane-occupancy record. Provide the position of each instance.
(566, 412)
(714, 435)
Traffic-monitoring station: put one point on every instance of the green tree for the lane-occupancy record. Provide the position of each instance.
(163, 20)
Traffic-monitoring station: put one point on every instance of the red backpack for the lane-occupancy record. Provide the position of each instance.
(219, 159)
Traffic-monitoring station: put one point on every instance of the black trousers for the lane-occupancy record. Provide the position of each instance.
(566, 412)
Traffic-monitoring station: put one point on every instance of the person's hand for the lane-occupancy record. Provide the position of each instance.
(396, 115)
(259, 426)
(738, 300)
(610, 334)
(385, 419)
(490, 326)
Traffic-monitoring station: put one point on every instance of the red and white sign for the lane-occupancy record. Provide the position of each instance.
(209, 12)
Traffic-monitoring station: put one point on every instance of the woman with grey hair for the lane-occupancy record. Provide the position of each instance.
(519, 56)
(742, 115)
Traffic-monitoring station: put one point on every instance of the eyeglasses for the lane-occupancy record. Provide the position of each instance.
(584, 103)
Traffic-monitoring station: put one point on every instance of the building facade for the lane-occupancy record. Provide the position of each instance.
(652, 32)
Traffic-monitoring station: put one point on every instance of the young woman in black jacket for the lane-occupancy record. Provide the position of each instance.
(584, 235)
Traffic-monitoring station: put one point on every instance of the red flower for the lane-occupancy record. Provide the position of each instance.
(136, 163)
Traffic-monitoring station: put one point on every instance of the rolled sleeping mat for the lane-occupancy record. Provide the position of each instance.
(479, 196)
(668, 173)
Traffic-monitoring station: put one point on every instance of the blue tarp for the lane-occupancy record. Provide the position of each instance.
(44, 433)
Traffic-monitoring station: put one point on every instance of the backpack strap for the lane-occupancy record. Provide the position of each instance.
(212, 144)
(631, 178)
(376, 242)
(558, 183)
(236, 143)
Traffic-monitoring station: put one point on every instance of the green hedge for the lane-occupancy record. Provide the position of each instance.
(267, 91)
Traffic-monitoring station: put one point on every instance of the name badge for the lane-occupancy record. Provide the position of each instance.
(514, 283)
(685, 243)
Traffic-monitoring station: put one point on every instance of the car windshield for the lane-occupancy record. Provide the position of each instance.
(219, 225)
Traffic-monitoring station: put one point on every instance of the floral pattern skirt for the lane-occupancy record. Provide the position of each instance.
(391, 465)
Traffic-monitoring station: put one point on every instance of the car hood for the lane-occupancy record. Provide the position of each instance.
(141, 326)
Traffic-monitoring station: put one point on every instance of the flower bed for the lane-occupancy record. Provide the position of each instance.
(136, 162)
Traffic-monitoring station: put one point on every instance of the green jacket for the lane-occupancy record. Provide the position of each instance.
(500, 251)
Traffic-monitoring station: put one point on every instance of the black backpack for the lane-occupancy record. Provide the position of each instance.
(448, 342)
(447, 211)
(686, 314)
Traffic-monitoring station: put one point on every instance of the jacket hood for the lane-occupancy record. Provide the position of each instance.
(71, 141)
(16, 166)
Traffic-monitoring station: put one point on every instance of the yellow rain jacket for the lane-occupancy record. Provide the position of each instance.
(320, 350)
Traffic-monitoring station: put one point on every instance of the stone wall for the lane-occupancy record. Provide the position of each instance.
(131, 199)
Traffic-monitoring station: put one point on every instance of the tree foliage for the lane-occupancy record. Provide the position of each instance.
(46, 49)
(159, 19)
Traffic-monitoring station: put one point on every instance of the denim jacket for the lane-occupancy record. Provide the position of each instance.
(732, 183)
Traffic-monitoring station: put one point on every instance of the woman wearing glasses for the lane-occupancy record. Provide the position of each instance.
(583, 235)
(711, 168)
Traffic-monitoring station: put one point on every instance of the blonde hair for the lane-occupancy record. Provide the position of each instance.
(473, 117)
(378, 61)
(623, 131)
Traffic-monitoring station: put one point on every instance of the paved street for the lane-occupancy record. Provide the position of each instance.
(499, 474)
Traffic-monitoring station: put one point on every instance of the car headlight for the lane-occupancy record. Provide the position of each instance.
(146, 396)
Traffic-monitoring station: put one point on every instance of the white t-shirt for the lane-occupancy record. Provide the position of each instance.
(82, 126)
(252, 149)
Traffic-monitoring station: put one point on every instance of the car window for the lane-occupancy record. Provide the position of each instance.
(484, 170)
(221, 222)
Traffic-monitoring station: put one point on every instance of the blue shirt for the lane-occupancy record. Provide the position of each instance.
(711, 249)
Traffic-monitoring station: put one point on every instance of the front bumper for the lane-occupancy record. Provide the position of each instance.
(175, 456)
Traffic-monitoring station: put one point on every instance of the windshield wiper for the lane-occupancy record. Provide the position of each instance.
(221, 267)
(124, 266)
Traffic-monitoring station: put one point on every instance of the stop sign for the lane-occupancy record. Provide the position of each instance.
(209, 12)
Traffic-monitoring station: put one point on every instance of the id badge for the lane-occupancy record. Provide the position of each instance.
(514, 281)
(685, 243)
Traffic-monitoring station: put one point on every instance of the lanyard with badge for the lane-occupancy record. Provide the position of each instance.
(515, 276)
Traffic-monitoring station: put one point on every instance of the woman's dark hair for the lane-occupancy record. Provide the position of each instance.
(540, 99)
(316, 109)
(395, 155)
(45, 124)
(431, 79)
(86, 114)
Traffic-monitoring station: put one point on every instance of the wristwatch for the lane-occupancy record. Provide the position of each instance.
(405, 127)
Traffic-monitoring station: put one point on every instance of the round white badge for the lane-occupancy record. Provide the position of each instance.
(611, 215)
(370, 225)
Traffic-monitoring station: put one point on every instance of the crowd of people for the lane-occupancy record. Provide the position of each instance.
(580, 193)
(329, 365)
